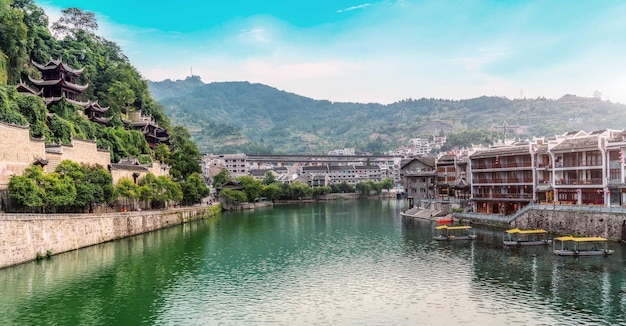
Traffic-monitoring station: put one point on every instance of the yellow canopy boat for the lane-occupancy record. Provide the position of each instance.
(581, 246)
(517, 237)
(447, 233)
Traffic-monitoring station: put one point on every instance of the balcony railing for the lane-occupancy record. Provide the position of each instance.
(503, 196)
(503, 181)
(559, 165)
(594, 181)
(503, 165)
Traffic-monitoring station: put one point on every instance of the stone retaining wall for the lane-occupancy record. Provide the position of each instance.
(25, 236)
(601, 224)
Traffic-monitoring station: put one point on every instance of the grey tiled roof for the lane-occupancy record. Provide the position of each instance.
(577, 143)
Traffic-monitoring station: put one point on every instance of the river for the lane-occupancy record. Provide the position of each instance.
(336, 263)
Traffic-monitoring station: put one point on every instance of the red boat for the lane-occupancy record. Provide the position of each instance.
(444, 221)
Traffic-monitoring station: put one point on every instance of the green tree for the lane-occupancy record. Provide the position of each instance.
(363, 188)
(184, 162)
(300, 190)
(387, 184)
(271, 191)
(128, 190)
(120, 96)
(322, 190)
(269, 178)
(194, 189)
(251, 187)
(162, 153)
(73, 21)
(221, 178)
(25, 191)
(233, 196)
(60, 191)
(9, 110)
(13, 38)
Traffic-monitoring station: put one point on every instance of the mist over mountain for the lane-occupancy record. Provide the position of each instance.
(255, 118)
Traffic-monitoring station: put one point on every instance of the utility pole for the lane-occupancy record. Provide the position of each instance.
(505, 127)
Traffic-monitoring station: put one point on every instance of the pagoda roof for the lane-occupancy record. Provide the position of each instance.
(96, 107)
(57, 64)
(60, 81)
(52, 99)
(79, 103)
(101, 120)
(22, 88)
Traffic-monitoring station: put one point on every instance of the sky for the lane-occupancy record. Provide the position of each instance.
(375, 51)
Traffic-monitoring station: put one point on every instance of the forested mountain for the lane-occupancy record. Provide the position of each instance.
(255, 118)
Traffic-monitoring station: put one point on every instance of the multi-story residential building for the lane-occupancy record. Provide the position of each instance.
(615, 148)
(581, 169)
(451, 177)
(348, 174)
(576, 168)
(236, 164)
(388, 166)
(502, 178)
(418, 178)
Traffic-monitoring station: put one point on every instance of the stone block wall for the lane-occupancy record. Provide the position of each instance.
(17, 151)
(24, 236)
(80, 151)
(600, 224)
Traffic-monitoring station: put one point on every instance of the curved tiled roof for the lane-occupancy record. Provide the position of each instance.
(54, 82)
(57, 64)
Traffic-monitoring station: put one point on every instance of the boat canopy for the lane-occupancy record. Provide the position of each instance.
(460, 227)
(580, 239)
(516, 230)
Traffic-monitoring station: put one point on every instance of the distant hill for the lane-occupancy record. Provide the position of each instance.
(240, 116)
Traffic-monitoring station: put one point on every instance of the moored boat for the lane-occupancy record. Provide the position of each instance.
(449, 233)
(517, 237)
(581, 246)
(444, 221)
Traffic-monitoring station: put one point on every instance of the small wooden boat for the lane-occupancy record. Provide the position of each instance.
(581, 246)
(517, 237)
(450, 233)
(444, 221)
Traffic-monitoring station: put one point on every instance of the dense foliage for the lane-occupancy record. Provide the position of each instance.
(270, 189)
(258, 119)
(70, 188)
(113, 82)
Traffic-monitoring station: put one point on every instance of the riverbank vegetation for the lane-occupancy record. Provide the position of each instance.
(247, 189)
(77, 188)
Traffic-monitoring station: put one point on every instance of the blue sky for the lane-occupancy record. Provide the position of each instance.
(376, 51)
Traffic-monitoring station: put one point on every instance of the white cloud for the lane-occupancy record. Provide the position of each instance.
(254, 35)
(354, 7)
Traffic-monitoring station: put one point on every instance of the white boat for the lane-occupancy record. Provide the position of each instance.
(581, 246)
(517, 237)
(450, 233)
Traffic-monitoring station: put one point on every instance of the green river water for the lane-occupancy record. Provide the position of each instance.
(336, 263)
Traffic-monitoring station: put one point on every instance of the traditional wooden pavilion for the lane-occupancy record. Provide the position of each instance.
(59, 80)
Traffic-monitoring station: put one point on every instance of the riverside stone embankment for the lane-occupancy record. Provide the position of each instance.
(562, 220)
(610, 225)
(24, 237)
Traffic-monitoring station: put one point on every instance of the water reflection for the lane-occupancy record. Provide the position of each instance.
(348, 263)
